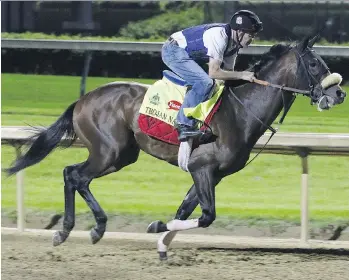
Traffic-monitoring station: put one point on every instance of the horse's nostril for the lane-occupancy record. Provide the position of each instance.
(341, 94)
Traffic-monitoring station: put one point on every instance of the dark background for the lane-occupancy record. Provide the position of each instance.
(281, 22)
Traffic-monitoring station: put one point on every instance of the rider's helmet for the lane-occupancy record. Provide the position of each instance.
(246, 21)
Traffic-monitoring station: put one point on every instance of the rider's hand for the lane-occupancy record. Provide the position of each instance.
(247, 76)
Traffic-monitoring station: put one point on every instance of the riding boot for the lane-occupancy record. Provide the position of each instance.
(185, 132)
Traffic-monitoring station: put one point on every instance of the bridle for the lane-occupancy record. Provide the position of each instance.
(315, 92)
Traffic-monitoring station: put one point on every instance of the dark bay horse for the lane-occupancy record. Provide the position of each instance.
(105, 120)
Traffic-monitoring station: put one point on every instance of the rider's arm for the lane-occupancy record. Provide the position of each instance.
(215, 72)
(229, 63)
(216, 40)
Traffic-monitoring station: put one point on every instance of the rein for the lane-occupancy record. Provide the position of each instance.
(273, 130)
(267, 84)
(295, 91)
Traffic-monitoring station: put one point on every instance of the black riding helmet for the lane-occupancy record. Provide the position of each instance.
(246, 21)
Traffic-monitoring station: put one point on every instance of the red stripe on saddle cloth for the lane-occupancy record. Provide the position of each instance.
(165, 132)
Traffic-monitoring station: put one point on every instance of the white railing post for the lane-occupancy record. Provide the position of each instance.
(303, 153)
(20, 194)
(304, 202)
(20, 201)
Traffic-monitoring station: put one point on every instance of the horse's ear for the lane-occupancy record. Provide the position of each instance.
(313, 40)
(301, 46)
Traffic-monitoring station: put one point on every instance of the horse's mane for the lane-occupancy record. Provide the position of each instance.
(274, 53)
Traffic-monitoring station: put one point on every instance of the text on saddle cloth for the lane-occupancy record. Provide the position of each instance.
(164, 98)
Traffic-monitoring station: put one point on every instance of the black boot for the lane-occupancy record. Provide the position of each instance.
(185, 132)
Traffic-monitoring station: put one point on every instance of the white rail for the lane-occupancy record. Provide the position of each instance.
(86, 45)
(302, 144)
(199, 239)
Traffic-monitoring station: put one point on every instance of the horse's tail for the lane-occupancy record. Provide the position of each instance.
(46, 140)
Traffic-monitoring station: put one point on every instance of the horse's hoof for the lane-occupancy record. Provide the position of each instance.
(156, 227)
(59, 237)
(95, 236)
(163, 256)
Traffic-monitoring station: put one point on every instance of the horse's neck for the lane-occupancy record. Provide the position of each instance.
(264, 102)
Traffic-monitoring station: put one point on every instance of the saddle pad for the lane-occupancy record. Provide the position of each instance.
(163, 100)
(164, 131)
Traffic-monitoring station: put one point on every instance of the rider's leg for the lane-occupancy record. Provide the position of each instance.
(178, 60)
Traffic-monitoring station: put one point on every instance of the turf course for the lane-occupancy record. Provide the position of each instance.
(268, 188)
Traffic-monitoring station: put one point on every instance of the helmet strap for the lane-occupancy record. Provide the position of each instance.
(238, 39)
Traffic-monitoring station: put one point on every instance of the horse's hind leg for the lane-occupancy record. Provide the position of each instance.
(78, 178)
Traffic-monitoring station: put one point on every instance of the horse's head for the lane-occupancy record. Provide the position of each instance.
(313, 73)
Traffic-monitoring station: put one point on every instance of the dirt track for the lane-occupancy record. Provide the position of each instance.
(26, 257)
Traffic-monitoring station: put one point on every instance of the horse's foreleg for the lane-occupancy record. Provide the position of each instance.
(184, 211)
(188, 205)
(206, 196)
(204, 183)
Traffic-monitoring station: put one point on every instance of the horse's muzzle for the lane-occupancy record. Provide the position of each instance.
(336, 93)
(341, 94)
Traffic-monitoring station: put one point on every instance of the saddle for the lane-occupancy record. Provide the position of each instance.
(162, 102)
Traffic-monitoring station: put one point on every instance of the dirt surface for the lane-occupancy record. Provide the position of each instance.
(26, 257)
(222, 226)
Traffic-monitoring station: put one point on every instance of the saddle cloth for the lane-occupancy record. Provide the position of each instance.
(162, 102)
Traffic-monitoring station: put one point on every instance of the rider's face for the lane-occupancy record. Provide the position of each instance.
(245, 38)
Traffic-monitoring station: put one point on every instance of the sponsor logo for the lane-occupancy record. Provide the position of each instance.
(174, 105)
(155, 99)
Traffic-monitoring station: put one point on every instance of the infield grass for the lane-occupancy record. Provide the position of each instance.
(39, 100)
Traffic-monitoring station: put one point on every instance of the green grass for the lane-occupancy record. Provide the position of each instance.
(39, 100)
(268, 188)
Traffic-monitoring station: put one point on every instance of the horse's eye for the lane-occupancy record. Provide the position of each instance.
(313, 63)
